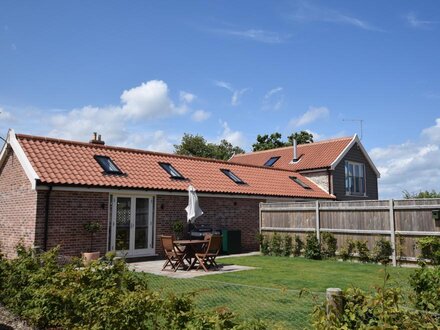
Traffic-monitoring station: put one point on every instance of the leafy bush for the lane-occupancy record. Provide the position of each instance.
(299, 245)
(312, 249)
(363, 251)
(382, 251)
(425, 283)
(287, 245)
(276, 248)
(380, 310)
(103, 295)
(264, 244)
(346, 252)
(328, 245)
(430, 248)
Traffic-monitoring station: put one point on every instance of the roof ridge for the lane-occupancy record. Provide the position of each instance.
(141, 151)
(299, 145)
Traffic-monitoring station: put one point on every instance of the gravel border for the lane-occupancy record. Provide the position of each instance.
(9, 321)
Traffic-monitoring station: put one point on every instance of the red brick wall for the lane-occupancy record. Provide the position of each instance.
(68, 212)
(229, 213)
(17, 206)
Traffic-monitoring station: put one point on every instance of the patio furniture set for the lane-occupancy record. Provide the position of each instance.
(187, 254)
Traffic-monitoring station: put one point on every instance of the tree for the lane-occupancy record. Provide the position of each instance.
(197, 146)
(421, 194)
(265, 142)
(302, 137)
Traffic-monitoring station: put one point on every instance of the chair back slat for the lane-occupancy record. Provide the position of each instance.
(215, 244)
(167, 243)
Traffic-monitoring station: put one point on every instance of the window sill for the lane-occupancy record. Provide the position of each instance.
(353, 195)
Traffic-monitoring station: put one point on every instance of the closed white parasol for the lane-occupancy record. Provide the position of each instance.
(193, 210)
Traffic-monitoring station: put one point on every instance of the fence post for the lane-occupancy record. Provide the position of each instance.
(318, 225)
(334, 301)
(393, 232)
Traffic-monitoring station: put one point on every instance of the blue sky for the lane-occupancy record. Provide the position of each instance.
(143, 73)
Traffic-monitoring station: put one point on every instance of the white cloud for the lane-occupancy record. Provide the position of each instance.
(234, 137)
(186, 97)
(412, 166)
(149, 100)
(311, 115)
(273, 99)
(306, 12)
(433, 133)
(200, 115)
(140, 105)
(4, 115)
(236, 93)
(415, 22)
(257, 35)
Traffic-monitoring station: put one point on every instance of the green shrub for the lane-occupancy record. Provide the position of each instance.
(103, 295)
(276, 248)
(425, 283)
(328, 245)
(363, 251)
(287, 245)
(430, 248)
(264, 244)
(380, 310)
(346, 252)
(299, 246)
(382, 251)
(312, 248)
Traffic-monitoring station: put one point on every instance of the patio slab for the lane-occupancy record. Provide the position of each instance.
(155, 267)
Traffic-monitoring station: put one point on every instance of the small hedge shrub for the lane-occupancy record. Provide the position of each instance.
(312, 248)
(103, 295)
(328, 245)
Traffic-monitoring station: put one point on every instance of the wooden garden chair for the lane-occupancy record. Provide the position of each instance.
(206, 258)
(174, 257)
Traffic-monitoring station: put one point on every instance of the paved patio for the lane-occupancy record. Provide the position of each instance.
(155, 267)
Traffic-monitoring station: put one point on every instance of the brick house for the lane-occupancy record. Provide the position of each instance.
(342, 167)
(50, 188)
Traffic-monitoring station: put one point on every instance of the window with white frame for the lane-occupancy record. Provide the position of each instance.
(355, 178)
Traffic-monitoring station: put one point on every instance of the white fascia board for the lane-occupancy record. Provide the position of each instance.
(21, 156)
(133, 192)
(347, 149)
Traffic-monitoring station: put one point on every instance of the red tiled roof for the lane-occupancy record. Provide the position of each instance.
(312, 155)
(72, 163)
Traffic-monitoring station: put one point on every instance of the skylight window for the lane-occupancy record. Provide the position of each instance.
(232, 176)
(172, 171)
(108, 165)
(271, 161)
(301, 183)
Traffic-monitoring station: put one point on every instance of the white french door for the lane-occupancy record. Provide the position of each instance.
(132, 225)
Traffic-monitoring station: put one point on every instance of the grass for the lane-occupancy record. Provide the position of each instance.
(272, 290)
(314, 275)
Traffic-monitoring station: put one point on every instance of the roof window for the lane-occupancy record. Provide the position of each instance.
(108, 165)
(172, 171)
(300, 182)
(232, 176)
(271, 161)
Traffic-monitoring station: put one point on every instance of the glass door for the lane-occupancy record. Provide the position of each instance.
(132, 232)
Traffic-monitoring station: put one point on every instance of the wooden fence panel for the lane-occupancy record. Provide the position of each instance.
(400, 221)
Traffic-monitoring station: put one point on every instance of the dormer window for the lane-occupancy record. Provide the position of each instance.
(108, 165)
(300, 182)
(232, 176)
(271, 161)
(354, 179)
(172, 171)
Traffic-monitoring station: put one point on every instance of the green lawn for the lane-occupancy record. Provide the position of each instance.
(315, 275)
(272, 290)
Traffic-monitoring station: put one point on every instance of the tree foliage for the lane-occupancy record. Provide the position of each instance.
(273, 141)
(421, 194)
(197, 146)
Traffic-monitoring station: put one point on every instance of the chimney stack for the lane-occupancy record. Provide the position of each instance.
(96, 139)
(295, 151)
